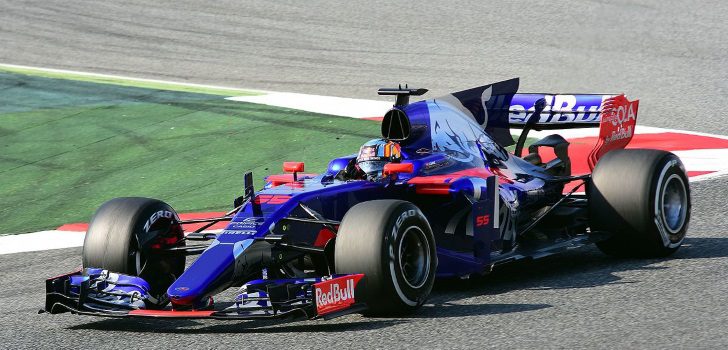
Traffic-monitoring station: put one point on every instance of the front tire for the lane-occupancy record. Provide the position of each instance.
(642, 197)
(391, 243)
(125, 236)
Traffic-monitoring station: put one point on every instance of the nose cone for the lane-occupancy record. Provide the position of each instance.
(211, 271)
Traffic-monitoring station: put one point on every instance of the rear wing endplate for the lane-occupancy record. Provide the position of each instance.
(618, 121)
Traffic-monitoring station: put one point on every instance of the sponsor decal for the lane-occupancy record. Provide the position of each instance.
(619, 118)
(249, 223)
(405, 214)
(436, 164)
(559, 108)
(238, 232)
(156, 216)
(336, 294)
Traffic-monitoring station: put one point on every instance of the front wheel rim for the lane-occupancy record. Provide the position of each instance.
(139, 259)
(414, 257)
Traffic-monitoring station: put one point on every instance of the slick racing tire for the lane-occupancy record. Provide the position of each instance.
(125, 236)
(391, 243)
(641, 197)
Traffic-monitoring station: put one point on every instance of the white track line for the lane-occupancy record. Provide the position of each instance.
(122, 77)
(340, 106)
(44, 240)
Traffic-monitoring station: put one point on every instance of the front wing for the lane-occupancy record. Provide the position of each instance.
(97, 292)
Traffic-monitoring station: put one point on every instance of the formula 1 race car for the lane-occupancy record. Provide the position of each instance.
(439, 195)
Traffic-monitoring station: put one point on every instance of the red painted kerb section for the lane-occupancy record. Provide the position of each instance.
(83, 226)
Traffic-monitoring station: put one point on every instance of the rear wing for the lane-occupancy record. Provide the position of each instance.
(562, 111)
(614, 115)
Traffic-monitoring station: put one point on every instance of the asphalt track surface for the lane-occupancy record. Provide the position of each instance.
(670, 54)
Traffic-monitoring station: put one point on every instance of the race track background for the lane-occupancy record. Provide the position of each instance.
(670, 54)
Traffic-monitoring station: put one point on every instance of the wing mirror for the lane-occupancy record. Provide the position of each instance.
(398, 168)
(293, 167)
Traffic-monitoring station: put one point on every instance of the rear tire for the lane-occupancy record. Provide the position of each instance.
(642, 197)
(391, 243)
(125, 235)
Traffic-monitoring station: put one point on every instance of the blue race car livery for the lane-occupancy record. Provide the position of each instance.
(438, 195)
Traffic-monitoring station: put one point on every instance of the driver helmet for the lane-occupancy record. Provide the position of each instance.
(374, 154)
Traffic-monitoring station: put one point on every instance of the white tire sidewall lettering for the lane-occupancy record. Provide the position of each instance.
(393, 258)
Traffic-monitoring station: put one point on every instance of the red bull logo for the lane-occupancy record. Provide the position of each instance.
(335, 294)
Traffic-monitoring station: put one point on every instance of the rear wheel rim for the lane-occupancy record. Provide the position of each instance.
(414, 257)
(674, 202)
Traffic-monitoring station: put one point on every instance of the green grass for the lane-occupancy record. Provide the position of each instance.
(66, 146)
